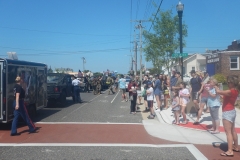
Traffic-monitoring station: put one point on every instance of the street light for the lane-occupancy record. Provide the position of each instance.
(180, 8)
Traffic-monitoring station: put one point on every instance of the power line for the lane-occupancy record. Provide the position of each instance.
(156, 14)
(33, 30)
(62, 52)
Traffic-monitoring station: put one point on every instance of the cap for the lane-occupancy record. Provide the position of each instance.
(193, 71)
(156, 75)
(174, 69)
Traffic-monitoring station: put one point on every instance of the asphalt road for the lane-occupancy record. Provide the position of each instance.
(96, 108)
(100, 119)
(97, 153)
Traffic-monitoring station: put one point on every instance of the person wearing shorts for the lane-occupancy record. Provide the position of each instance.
(122, 86)
(150, 94)
(184, 99)
(229, 114)
(203, 101)
(145, 85)
(196, 85)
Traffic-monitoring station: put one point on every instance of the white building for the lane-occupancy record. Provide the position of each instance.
(195, 62)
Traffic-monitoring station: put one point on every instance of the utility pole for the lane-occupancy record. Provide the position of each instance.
(139, 26)
(84, 61)
(135, 57)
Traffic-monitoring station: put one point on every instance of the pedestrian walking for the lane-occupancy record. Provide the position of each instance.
(203, 100)
(184, 100)
(20, 109)
(150, 94)
(176, 107)
(229, 113)
(110, 83)
(214, 103)
(122, 86)
(76, 90)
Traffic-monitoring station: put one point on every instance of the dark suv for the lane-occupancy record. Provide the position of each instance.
(59, 86)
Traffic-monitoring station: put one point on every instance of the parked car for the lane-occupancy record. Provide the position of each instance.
(59, 86)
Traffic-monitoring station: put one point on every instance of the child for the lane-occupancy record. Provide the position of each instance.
(150, 100)
(214, 105)
(176, 107)
(184, 99)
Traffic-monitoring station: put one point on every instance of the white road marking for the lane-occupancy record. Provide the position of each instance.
(115, 97)
(80, 107)
(195, 152)
(104, 101)
(86, 123)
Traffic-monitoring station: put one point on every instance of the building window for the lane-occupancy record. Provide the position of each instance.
(234, 63)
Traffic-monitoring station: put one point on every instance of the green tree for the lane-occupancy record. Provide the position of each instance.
(96, 74)
(160, 44)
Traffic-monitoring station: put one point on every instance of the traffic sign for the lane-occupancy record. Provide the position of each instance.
(177, 55)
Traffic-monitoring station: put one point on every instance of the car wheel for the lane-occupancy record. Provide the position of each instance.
(62, 99)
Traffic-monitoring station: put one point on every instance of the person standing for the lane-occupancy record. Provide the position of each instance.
(229, 113)
(86, 81)
(122, 86)
(110, 83)
(196, 84)
(165, 86)
(176, 107)
(173, 81)
(132, 87)
(145, 85)
(150, 100)
(158, 92)
(76, 90)
(94, 85)
(99, 85)
(20, 109)
(184, 99)
(178, 82)
(204, 99)
(214, 104)
(139, 91)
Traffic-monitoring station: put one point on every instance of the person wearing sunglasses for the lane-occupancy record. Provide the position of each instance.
(229, 113)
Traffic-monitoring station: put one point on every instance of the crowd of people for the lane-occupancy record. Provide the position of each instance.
(168, 92)
(203, 90)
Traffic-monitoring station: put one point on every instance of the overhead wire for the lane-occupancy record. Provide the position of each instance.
(55, 32)
(47, 52)
(156, 15)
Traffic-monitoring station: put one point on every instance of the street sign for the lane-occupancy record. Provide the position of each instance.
(177, 55)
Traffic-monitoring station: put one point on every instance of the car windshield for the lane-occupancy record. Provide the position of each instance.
(53, 78)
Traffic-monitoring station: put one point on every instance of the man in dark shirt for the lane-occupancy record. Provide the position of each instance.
(196, 84)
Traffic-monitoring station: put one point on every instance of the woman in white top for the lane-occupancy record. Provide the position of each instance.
(184, 99)
(150, 100)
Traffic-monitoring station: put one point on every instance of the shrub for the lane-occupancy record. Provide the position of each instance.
(220, 78)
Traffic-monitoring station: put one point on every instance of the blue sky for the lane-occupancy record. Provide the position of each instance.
(61, 32)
